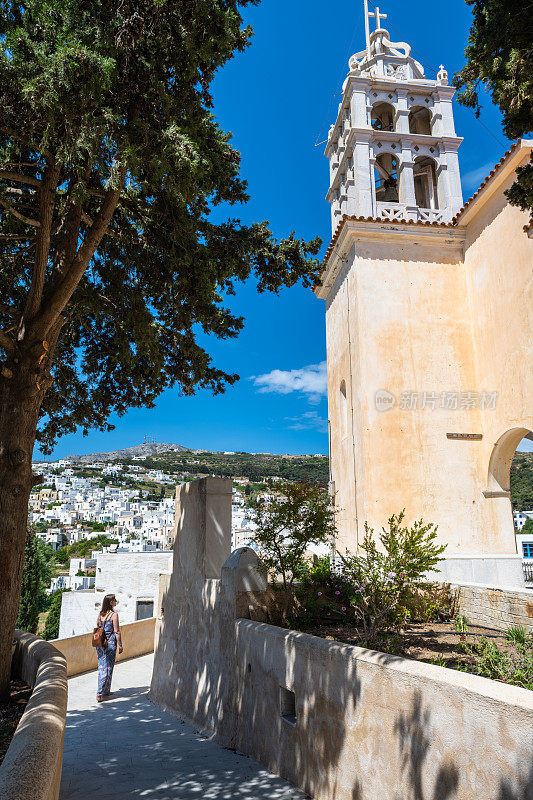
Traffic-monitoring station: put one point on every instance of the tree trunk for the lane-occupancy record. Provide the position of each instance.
(20, 401)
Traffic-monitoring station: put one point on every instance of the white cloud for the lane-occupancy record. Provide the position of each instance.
(310, 380)
(310, 420)
(472, 179)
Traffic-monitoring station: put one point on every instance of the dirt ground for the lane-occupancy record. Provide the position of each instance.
(11, 712)
(435, 642)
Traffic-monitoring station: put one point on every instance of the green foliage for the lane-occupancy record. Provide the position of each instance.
(380, 590)
(83, 549)
(61, 555)
(517, 634)
(287, 524)
(35, 579)
(488, 660)
(257, 467)
(51, 626)
(522, 482)
(107, 124)
(499, 58)
(460, 624)
(528, 527)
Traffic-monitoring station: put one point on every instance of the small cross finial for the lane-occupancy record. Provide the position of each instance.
(377, 16)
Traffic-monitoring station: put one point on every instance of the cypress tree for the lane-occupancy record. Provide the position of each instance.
(34, 576)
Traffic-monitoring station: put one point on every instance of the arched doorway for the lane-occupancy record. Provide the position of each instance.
(514, 492)
(502, 458)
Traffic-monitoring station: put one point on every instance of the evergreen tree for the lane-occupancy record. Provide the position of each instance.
(111, 161)
(35, 578)
(499, 58)
(51, 626)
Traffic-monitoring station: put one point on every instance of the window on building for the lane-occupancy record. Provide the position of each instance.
(145, 609)
(527, 549)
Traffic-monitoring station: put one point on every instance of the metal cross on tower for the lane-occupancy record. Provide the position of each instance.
(378, 17)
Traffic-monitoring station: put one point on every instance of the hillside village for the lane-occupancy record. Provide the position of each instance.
(127, 505)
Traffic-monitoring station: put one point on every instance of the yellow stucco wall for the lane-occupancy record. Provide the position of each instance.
(418, 310)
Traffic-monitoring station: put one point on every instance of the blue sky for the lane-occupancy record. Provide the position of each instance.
(278, 99)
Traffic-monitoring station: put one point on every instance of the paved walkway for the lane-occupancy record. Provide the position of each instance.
(127, 748)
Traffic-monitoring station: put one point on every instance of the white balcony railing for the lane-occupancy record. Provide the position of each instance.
(431, 215)
(400, 211)
(392, 211)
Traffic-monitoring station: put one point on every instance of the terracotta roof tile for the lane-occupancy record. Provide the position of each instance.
(348, 218)
(487, 179)
(452, 224)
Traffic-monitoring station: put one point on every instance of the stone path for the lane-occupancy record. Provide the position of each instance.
(128, 748)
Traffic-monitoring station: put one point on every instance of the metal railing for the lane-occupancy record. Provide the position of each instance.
(527, 569)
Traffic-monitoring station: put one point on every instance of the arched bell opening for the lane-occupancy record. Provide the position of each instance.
(386, 178)
(425, 180)
(382, 118)
(420, 120)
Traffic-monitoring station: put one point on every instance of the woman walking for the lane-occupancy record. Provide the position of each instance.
(108, 620)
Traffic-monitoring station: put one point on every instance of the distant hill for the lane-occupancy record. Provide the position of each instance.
(145, 450)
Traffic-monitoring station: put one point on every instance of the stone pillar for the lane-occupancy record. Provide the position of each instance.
(401, 118)
(454, 198)
(351, 189)
(407, 183)
(444, 97)
(203, 527)
(363, 183)
(358, 105)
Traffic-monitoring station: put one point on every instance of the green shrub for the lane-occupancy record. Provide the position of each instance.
(380, 590)
(517, 634)
(35, 578)
(515, 667)
(51, 626)
(287, 524)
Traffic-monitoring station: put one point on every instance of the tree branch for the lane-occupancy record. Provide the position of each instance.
(21, 217)
(89, 222)
(7, 343)
(46, 212)
(16, 236)
(28, 142)
(14, 176)
(63, 292)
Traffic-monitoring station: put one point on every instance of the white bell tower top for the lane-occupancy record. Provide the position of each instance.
(393, 148)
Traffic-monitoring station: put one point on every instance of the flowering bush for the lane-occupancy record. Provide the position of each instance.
(378, 590)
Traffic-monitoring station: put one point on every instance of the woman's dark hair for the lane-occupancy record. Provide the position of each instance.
(106, 605)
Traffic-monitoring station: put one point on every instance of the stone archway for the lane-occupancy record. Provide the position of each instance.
(502, 457)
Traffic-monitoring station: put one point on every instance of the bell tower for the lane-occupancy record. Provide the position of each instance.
(393, 147)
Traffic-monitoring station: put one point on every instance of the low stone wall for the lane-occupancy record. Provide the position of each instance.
(494, 606)
(340, 722)
(343, 722)
(31, 769)
(137, 638)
